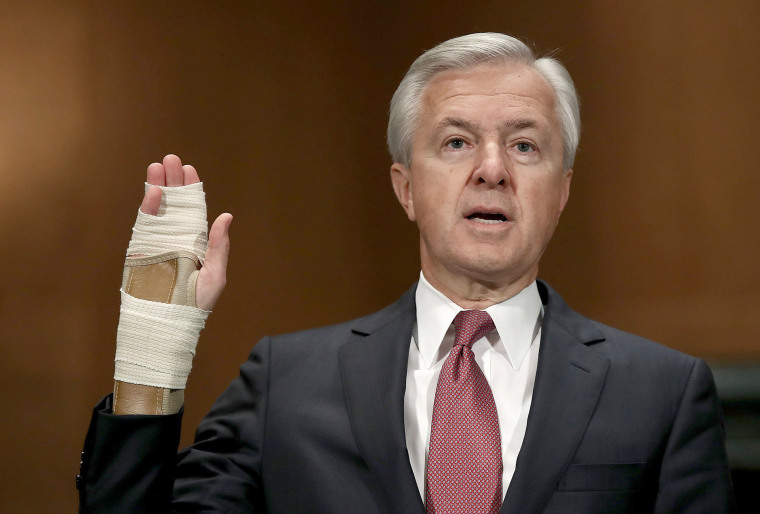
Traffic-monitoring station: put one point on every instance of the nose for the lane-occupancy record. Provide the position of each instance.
(492, 166)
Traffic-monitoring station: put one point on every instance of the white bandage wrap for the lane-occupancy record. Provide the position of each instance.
(180, 224)
(156, 342)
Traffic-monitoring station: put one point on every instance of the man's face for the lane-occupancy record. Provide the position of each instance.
(486, 184)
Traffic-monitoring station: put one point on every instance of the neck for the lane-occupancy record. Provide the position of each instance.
(476, 293)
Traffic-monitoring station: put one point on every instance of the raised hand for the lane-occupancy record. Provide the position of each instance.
(213, 275)
(161, 290)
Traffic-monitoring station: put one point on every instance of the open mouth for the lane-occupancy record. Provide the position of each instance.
(490, 218)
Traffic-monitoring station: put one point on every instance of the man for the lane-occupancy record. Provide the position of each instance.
(480, 390)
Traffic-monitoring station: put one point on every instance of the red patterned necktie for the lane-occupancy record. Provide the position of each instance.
(464, 470)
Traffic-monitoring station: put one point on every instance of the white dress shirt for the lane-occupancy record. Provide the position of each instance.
(508, 357)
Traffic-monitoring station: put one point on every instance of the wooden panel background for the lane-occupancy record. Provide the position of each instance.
(283, 111)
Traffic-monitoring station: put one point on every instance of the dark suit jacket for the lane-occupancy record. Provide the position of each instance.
(315, 423)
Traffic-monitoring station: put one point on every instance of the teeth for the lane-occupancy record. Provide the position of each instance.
(489, 222)
(489, 218)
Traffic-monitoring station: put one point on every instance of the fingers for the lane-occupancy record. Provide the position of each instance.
(151, 201)
(172, 173)
(173, 167)
(156, 175)
(190, 175)
(213, 275)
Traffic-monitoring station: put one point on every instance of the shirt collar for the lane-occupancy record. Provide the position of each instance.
(517, 321)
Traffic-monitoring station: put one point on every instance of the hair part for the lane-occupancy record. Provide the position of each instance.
(467, 52)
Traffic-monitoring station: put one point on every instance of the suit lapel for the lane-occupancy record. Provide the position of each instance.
(569, 380)
(373, 370)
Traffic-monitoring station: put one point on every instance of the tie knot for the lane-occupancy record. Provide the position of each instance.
(471, 326)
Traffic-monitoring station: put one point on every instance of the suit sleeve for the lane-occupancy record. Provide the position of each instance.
(694, 476)
(130, 463)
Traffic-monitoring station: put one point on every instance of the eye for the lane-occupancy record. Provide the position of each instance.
(524, 147)
(456, 143)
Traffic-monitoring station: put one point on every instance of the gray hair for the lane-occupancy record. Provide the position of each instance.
(466, 52)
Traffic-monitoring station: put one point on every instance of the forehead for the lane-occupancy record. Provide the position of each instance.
(492, 91)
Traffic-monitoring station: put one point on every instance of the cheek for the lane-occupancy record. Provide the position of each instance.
(428, 191)
(544, 203)
(437, 191)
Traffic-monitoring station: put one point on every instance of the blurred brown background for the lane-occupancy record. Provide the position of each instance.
(282, 108)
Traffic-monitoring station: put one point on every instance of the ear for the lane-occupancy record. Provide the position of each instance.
(401, 177)
(565, 190)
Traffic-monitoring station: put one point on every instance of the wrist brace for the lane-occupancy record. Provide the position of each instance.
(156, 342)
(159, 324)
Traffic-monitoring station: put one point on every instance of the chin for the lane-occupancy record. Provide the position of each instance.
(497, 268)
(487, 269)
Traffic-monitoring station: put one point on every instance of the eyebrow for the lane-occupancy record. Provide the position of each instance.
(520, 124)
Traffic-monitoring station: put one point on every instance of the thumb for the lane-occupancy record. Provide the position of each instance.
(219, 242)
(213, 276)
